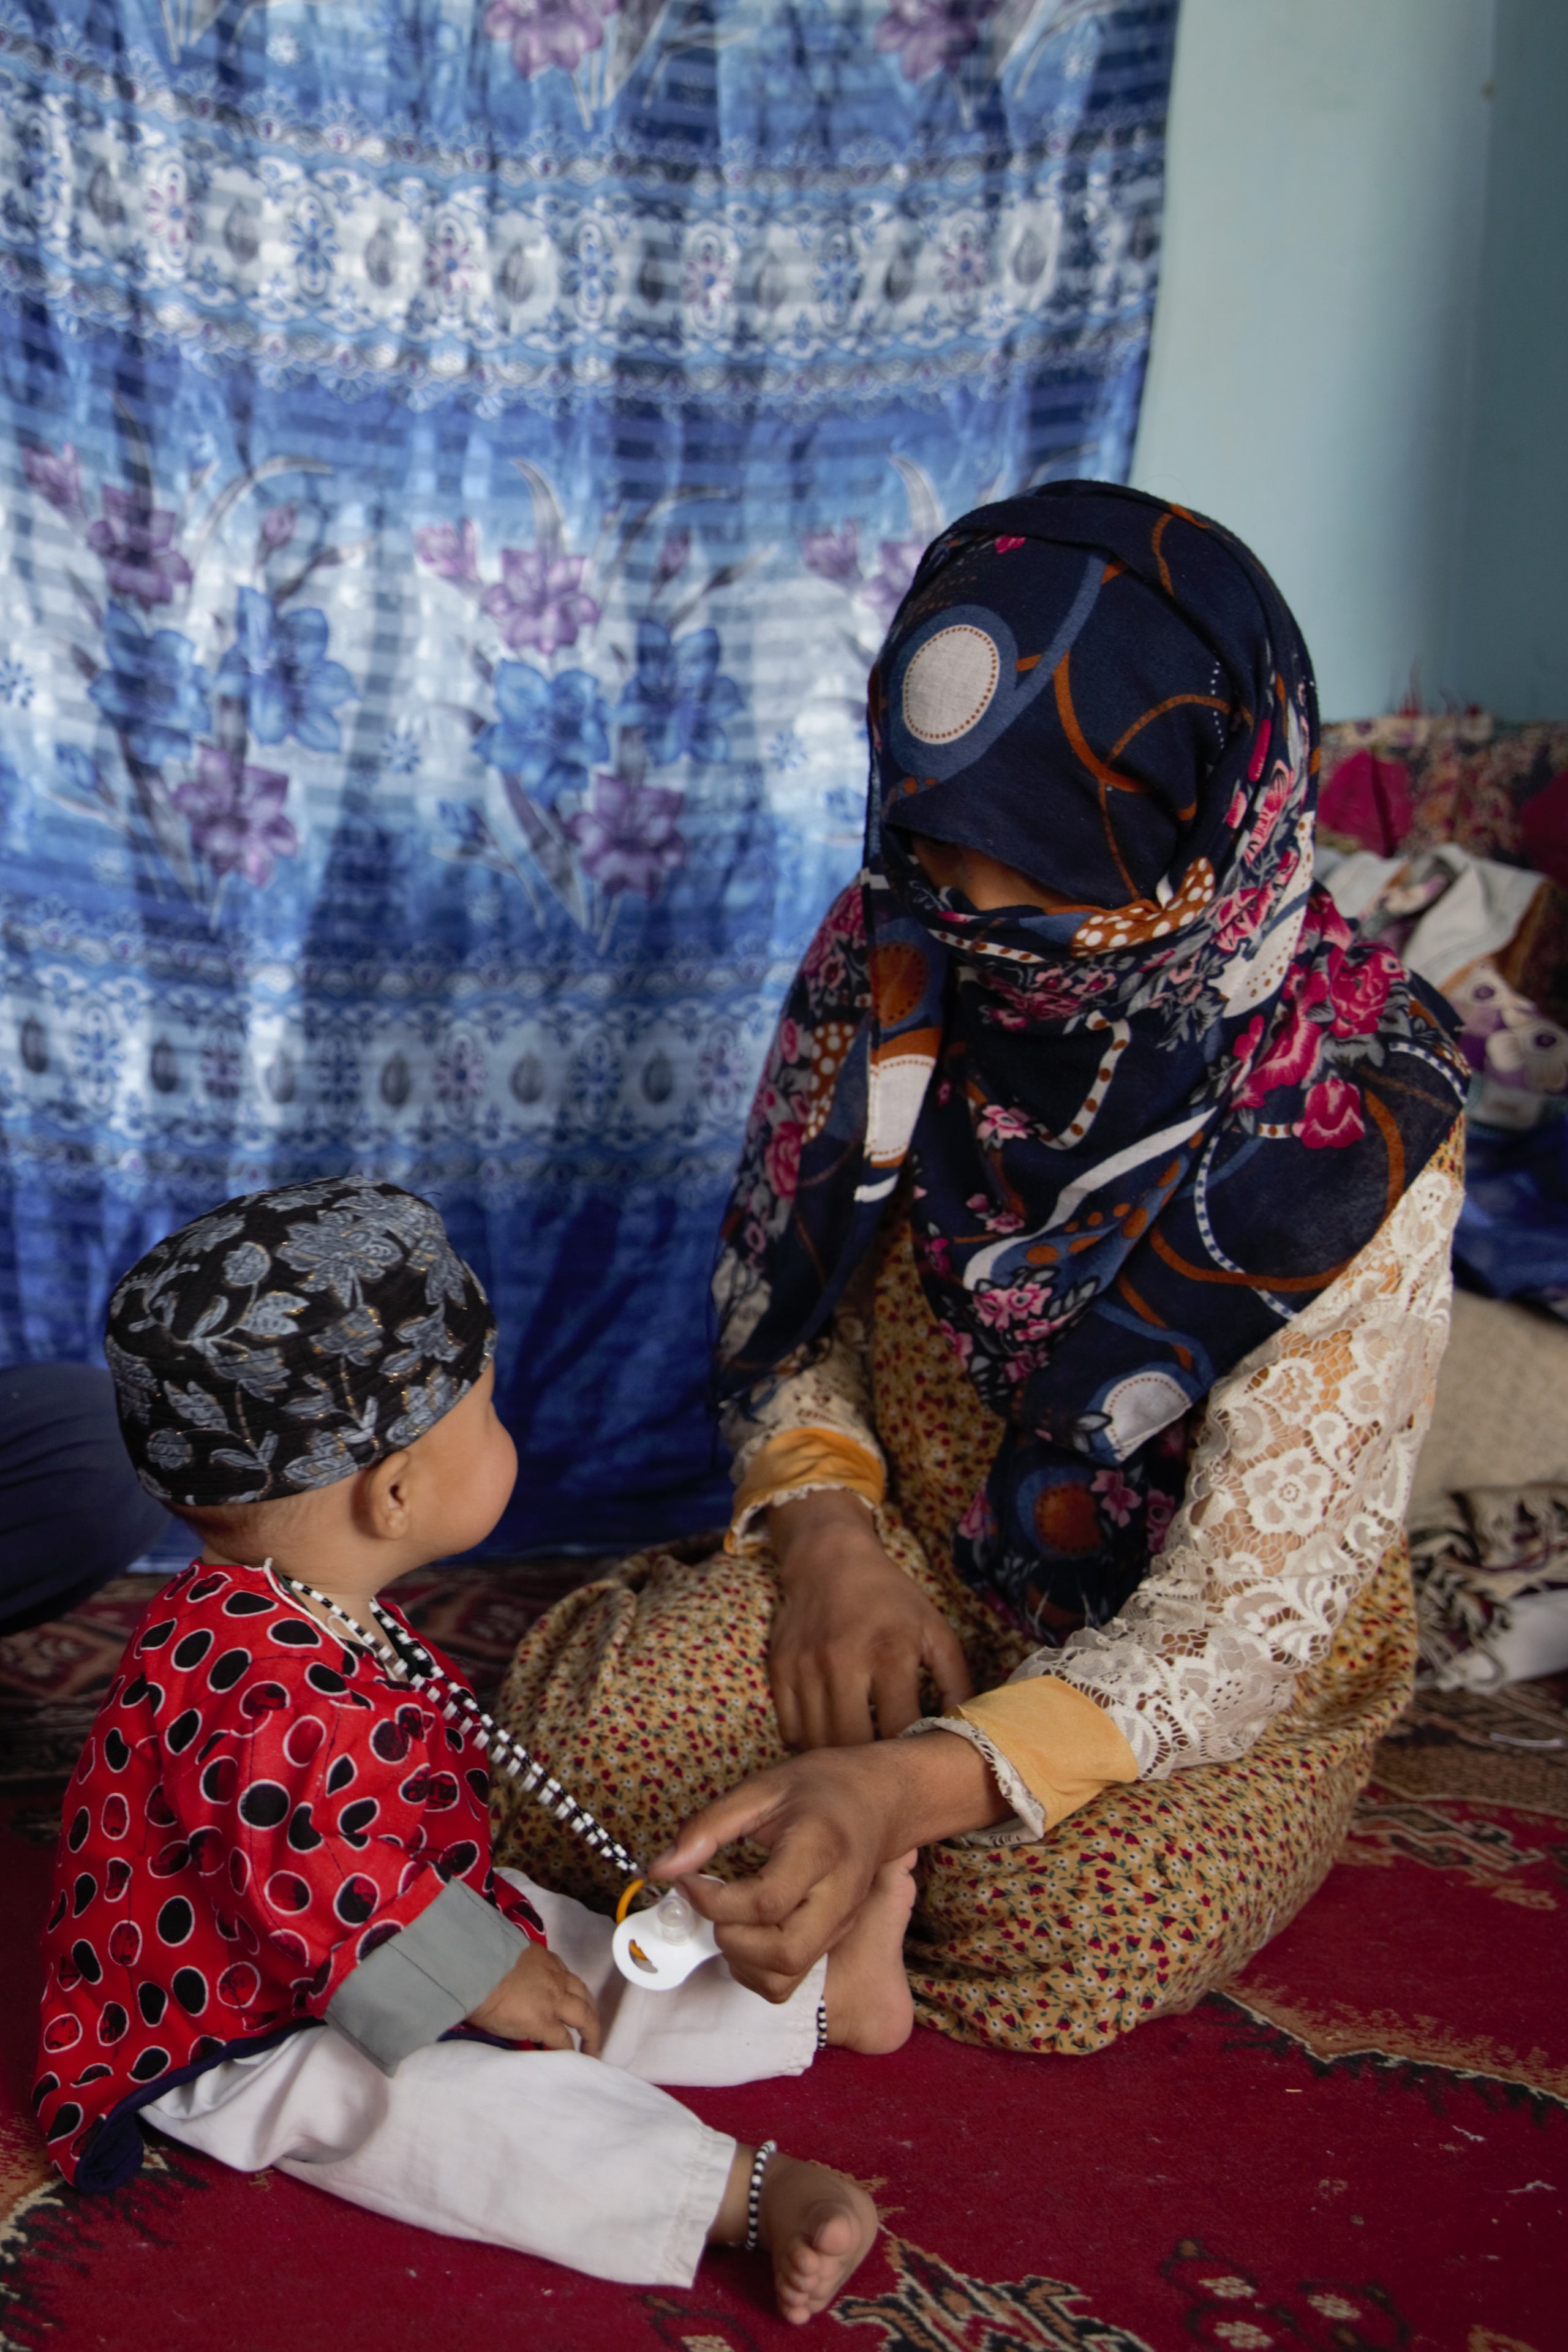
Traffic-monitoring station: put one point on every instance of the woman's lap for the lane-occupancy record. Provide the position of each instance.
(648, 1694)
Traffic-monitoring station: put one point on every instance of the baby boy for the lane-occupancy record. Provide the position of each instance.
(277, 1933)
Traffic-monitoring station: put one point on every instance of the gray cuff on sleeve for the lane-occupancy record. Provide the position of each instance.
(414, 1989)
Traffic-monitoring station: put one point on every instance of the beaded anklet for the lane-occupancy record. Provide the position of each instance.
(393, 1645)
(754, 2194)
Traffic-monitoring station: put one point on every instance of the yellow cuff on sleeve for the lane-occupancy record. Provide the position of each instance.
(798, 1459)
(1063, 1747)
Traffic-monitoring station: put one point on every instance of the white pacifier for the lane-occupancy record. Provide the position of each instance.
(658, 1949)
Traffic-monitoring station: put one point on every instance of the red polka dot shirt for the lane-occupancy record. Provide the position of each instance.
(257, 1809)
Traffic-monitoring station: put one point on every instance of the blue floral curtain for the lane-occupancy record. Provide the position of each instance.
(459, 458)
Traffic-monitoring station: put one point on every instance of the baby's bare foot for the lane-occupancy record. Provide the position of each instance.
(818, 2228)
(866, 1993)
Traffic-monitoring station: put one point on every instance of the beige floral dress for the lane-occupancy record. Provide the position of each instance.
(1180, 1778)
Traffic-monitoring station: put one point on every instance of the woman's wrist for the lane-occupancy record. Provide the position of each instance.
(937, 1788)
(816, 1533)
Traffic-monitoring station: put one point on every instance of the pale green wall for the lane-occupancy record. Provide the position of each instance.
(1509, 642)
(1358, 359)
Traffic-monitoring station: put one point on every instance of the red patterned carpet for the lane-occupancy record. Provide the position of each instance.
(1362, 2144)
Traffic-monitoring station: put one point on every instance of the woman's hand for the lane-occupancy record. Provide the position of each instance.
(830, 1820)
(851, 1632)
(540, 1999)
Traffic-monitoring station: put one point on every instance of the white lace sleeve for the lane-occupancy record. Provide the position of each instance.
(1298, 1487)
(829, 1387)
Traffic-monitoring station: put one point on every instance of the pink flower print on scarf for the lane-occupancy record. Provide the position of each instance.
(1000, 1123)
(1331, 1116)
(1119, 1498)
(1290, 1061)
(781, 1158)
(1359, 991)
(1270, 808)
(1241, 917)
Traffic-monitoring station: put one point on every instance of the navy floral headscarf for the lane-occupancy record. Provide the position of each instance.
(1139, 1133)
(289, 1339)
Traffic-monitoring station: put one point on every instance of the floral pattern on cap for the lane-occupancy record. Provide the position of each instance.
(289, 1339)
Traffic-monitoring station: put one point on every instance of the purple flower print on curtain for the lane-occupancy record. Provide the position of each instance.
(627, 835)
(451, 550)
(538, 600)
(833, 555)
(135, 540)
(278, 527)
(889, 585)
(673, 558)
(56, 476)
(545, 33)
(929, 36)
(236, 816)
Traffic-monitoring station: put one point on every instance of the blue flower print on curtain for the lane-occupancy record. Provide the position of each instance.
(181, 791)
(678, 697)
(277, 669)
(549, 732)
(150, 688)
(572, 766)
(461, 457)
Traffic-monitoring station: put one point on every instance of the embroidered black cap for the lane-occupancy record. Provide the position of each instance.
(289, 1339)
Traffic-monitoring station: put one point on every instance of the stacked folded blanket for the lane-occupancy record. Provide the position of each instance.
(1448, 840)
(1491, 1584)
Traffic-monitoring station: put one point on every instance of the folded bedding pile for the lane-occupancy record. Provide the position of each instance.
(1447, 839)
(1491, 1584)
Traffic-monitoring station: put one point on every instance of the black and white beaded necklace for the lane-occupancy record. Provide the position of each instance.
(397, 1648)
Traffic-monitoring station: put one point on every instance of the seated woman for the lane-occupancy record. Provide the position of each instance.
(1080, 1302)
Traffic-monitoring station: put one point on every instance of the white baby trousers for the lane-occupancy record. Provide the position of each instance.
(579, 2159)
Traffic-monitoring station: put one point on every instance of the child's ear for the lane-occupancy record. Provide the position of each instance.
(386, 1497)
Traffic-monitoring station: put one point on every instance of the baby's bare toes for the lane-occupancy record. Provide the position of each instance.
(820, 2227)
